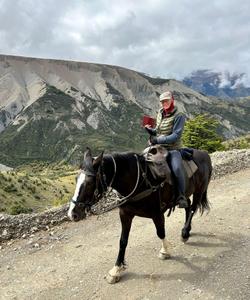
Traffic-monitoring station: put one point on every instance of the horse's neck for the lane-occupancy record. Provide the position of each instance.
(125, 174)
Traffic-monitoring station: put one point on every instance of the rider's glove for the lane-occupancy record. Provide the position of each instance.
(151, 131)
(153, 140)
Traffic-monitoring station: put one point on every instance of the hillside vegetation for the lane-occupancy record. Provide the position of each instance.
(36, 187)
(242, 142)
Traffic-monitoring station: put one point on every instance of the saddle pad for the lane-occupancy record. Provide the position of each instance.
(190, 167)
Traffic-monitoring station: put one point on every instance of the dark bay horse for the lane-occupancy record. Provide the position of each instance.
(129, 175)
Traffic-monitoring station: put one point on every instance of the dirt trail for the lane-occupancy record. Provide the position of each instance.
(70, 261)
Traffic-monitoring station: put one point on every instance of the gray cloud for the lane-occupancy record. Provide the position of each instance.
(159, 37)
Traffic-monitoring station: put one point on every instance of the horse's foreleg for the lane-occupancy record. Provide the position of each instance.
(159, 222)
(115, 273)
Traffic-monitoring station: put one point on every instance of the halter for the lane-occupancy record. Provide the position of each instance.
(107, 188)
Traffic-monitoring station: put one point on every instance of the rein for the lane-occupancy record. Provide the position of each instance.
(107, 188)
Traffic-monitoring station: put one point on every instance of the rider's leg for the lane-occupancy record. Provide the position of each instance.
(178, 171)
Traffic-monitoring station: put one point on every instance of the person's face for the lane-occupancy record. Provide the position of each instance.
(166, 103)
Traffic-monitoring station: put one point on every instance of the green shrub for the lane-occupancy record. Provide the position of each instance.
(65, 190)
(10, 188)
(18, 208)
(60, 201)
(31, 188)
(200, 133)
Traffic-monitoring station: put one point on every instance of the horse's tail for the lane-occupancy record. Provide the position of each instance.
(203, 204)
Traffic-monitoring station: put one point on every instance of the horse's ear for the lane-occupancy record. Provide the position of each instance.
(87, 157)
(97, 161)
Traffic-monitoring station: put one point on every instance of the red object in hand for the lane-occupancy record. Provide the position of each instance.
(147, 120)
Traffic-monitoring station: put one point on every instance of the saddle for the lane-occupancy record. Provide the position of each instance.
(156, 158)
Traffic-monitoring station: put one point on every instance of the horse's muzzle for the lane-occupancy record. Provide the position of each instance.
(77, 214)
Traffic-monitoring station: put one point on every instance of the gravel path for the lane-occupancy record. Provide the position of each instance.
(70, 261)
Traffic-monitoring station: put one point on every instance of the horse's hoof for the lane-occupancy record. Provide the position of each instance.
(164, 256)
(184, 239)
(112, 279)
(185, 235)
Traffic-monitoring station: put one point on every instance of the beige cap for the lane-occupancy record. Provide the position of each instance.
(166, 96)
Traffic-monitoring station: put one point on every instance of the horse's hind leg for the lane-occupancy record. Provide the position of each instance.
(159, 222)
(115, 273)
(190, 210)
(199, 201)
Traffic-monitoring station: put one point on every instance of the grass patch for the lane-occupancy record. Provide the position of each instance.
(36, 187)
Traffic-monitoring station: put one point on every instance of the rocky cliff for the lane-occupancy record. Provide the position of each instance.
(49, 109)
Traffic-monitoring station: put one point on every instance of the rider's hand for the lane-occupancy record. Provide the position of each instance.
(150, 130)
(153, 140)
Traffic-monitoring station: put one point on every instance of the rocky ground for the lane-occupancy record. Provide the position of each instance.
(226, 162)
(4, 168)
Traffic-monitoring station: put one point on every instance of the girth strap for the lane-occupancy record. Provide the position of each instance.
(146, 193)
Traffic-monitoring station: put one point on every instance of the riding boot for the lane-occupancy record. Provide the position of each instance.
(178, 171)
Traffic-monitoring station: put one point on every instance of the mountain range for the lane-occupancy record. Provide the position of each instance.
(51, 110)
(224, 85)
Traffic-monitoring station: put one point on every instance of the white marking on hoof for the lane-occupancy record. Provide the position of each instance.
(164, 256)
(112, 279)
(114, 274)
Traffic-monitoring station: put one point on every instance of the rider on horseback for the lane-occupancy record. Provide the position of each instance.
(169, 127)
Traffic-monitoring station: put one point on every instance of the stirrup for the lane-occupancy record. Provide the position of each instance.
(182, 202)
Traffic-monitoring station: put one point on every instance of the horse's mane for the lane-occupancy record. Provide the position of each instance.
(123, 156)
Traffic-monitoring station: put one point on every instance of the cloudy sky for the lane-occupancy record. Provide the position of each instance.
(167, 38)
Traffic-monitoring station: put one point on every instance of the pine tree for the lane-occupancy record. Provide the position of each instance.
(200, 133)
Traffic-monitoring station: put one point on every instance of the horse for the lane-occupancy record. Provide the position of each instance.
(143, 195)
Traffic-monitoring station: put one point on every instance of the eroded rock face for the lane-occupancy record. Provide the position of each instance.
(11, 227)
(23, 81)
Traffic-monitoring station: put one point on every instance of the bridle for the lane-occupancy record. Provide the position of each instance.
(100, 177)
(106, 188)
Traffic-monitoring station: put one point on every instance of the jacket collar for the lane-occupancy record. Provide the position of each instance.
(168, 114)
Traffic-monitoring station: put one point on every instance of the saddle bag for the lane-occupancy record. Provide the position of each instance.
(156, 158)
